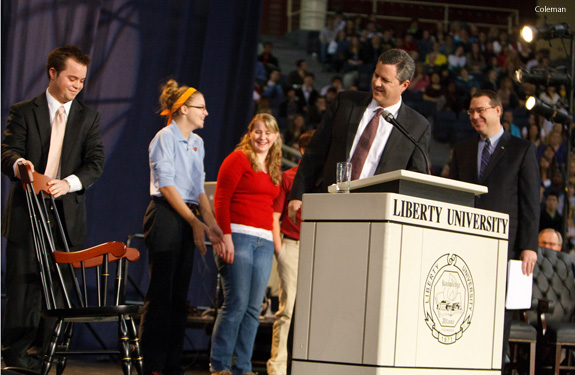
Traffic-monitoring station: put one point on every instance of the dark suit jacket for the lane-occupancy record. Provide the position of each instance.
(334, 137)
(512, 177)
(313, 95)
(27, 135)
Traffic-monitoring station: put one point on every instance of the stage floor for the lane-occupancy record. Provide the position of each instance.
(91, 367)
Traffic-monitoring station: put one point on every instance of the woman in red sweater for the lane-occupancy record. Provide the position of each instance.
(248, 182)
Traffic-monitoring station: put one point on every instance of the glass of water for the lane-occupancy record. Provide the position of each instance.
(343, 177)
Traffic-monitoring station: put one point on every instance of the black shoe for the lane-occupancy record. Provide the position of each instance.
(22, 360)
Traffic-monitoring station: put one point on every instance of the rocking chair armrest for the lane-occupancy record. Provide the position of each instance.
(115, 248)
(132, 254)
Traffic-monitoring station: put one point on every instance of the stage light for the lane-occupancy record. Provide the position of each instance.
(547, 111)
(547, 31)
(527, 34)
(542, 77)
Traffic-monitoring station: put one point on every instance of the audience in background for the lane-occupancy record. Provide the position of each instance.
(307, 94)
(550, 218)
(268, 59)
(551, 239)
(296, 128)
(274, 92)
(295, 77)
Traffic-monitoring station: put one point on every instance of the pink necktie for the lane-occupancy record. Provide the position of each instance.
(56, 140)
(363, 145)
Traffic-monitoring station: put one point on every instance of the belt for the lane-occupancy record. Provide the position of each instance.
(192, 206)
(289, 238)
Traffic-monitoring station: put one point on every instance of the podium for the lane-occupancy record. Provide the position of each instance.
(410, 280)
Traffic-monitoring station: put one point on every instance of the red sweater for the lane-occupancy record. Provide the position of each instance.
(242, 195)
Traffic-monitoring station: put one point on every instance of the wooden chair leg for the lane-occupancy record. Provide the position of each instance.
(137, 360)
(124, 345)
(532, 354)
(49, 356)
(68, 331)
(557, 363)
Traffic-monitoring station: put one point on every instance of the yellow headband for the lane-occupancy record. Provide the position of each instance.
(180, 102)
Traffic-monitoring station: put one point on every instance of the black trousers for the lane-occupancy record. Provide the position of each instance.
(25, 334)
(506, 333)
(170, 243)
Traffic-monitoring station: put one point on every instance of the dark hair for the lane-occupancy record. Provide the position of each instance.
(403, 62)
(494, 99)
(309, 74)
(305, 138)
(57, 58)
(299, 62)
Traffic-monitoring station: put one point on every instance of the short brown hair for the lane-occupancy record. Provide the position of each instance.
(305, 138)
(57, 58)
(494, 98)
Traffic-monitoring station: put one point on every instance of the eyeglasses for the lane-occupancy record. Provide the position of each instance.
(479, 110)
(202, 107)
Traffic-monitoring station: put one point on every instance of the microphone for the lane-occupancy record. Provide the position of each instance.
(388, 116)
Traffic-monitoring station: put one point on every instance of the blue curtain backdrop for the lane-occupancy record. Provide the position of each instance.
(136, 46)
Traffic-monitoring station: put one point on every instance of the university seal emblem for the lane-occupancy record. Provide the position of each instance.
(448, 298)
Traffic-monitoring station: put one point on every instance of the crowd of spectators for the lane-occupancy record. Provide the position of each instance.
(451, 64)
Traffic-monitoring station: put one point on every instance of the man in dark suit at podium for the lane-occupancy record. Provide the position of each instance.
(59, 136)
(353, 125)
(508, 166)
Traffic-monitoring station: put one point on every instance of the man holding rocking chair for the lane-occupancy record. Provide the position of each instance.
(59, 136)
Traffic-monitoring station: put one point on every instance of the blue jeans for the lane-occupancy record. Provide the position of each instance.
(244, 284)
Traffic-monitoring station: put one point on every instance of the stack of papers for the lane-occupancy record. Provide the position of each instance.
(519, 287)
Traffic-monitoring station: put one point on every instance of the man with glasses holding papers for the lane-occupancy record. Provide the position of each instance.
(508, 166)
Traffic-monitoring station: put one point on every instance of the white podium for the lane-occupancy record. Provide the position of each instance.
(391, 283)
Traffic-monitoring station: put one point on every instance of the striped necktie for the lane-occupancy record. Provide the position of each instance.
(485, 156)
(363, 145)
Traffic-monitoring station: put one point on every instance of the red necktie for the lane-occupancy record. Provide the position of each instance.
(363, 146)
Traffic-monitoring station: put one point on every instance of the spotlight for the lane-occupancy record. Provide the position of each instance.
(542, 77)
(527, 34)
(547, 111)
(547, 31)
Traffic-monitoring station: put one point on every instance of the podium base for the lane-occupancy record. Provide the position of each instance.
(314, 368)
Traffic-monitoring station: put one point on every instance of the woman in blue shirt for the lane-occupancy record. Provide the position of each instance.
(172, 228)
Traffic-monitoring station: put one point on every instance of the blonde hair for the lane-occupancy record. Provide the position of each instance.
(274, 156)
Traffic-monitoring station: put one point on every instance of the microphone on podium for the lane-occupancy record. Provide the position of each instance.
(388, 116)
